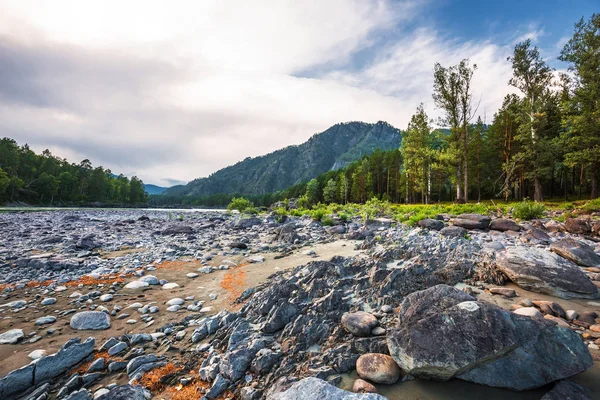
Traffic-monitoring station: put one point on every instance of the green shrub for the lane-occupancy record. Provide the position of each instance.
(592, 205)
(327, 221)
(343, 217)
(241, 204)
(527, 209)
(317, 214)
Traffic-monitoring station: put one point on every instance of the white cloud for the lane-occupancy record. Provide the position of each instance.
(178, 90)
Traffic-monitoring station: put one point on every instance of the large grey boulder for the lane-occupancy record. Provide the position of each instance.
(481, 342)
(90, 320)
(71, 354)
(578, 252)
(17, 381)
(314, 388)
(453, 231)
(472, 221)
(429, 223)
(542, 271)
(566, 390)
(245, 223)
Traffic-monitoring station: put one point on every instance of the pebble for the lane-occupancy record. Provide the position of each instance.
(48, 301)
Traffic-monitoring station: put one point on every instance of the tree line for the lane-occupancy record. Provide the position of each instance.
(46, 179)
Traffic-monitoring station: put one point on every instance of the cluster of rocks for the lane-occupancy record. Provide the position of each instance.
(385, 316)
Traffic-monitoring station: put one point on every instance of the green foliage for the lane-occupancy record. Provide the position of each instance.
(592, 206)
(47, 179)
(240, 204)
(327, 221)
(527, 210)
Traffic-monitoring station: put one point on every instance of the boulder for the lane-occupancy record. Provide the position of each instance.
(429, 223)
(472, 221)
(177, 230)
(578, 226)
(11, 336)
(454, 231)
(362, 386)
(504, 225)
(578, 252)
(245, 223)
(359, 323)
(90, 320)
(315, 388)
(378, 368)
(17, 381)
(482, 343)
(541, 271)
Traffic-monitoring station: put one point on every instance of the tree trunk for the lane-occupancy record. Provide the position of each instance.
(537, 190)
(594, 182)
(466, 162)
(459, 189)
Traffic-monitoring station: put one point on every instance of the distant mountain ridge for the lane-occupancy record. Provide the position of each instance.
(153, 189)
(332, 149)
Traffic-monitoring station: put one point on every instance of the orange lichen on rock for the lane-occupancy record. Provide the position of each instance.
(35, 284)
(99, 354)
(176, 265)
(233, 282)
(153, 380)
(191, 391)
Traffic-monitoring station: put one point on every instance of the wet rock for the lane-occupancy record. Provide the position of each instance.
(90, 320)
(362, 386)
(359, 323)
(378, 368)
(429, 223)
(12, 336)
(577, 252)
(566, 390)
(531, 312)
(482, 343)
(504, 225)
(506, 292)
(314, 388)
(544, 272)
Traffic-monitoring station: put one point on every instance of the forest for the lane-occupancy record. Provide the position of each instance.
(544, 142)
(46, 179)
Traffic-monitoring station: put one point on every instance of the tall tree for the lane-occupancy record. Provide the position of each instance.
(417, 154)
(582, 52)
(532, 76)
(452, 93)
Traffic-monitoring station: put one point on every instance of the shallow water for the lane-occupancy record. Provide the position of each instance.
(171, 210)
(461, 390)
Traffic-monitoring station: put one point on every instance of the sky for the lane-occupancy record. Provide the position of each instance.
(174, 90)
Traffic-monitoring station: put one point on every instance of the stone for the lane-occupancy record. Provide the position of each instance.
(315, 388)
(220, 384)
(566, 390)
(359, 323)
(541, 271)
(81, 394)
(12, 336)
(17, 381)
(504, 225)
(97, 365)
(578, 252)
(45, 320)
(503, 291)
(378, 368)
(48, 301)
(471, 221)
(170, 285)
(362, 386)
(454, 231)
(571, 315)
(106, 297)
(126, 392)
(137, 362)
(117, 348)
(36, 354)
(578, 226)
(150, 280)
(192, 275)
(557, 320)
(135, 285)
(429, 223)
(71, 354)
(175, 302)
(90, 320)
(482, 343)
(529, 312)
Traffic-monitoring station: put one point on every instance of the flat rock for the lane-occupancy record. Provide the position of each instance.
(378, 368)
(482, 343)
(506, 292)
(545, 272)
(170, 285)
(136, 285)
(315, 388)
(578, 252)
(504, 225)
(471, 221)
(454, 231)
(430, 223)
(90, 320)
(12, 336)
(531, 312)
(71, 354)
(45, 320)
(359, 323)
(126, 392)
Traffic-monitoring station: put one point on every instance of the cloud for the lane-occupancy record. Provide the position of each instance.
(174, 91)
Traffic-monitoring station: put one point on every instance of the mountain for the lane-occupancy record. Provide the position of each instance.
(153, 189)
(329, 150)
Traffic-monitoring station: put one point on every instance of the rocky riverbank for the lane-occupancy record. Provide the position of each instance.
(134, 304)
